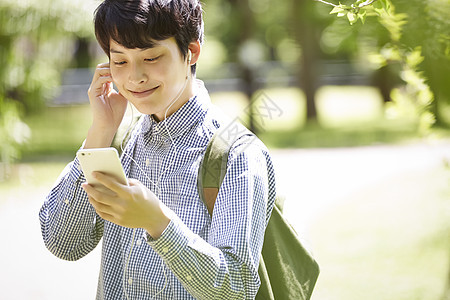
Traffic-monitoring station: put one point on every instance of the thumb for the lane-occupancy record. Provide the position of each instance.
(134, 182)
(113, 94)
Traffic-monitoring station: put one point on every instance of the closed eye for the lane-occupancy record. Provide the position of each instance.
(151, 59)
(118, 63)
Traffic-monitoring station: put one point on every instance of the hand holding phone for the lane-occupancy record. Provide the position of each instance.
(133, 205)
(105, 160)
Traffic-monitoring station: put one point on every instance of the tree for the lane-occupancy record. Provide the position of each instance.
(36, 39)
(245, 20)
(421, 48)
(426, 76)
(306, 32)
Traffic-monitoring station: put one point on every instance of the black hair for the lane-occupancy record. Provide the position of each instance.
(139, 23)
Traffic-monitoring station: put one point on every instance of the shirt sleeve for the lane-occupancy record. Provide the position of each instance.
(226, 265)
(69, 224)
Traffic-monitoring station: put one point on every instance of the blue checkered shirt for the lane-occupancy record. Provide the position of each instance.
(197, 256)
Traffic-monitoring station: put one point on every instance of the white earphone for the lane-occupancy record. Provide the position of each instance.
(189, 63)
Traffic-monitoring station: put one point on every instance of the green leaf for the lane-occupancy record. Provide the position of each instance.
(385, 4)
(377, 4)
(362, 15)
(415, 57)
(388, 5)
(352, 17)
(336, 9)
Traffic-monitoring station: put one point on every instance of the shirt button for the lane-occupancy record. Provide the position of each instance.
(165, 250)
(188, 277)
(139, 242)
(147, 162)
(66, 201)
(130, 281)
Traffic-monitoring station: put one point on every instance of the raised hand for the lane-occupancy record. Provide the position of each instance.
(107, 106)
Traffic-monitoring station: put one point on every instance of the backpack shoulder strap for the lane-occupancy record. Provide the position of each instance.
(287, 270)
(213, 166)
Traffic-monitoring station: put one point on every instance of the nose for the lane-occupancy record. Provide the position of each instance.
(137, 75)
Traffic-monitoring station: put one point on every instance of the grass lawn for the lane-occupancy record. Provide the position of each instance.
(347, 116)
(389, 241)
(57, 130)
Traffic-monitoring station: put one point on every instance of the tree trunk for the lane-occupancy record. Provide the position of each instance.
(245, 18)
(305, 34)
(436, 72)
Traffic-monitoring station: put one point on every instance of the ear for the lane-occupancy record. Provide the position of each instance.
(195, 49)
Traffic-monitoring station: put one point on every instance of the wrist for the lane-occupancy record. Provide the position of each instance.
(99, 137)
(158, 225)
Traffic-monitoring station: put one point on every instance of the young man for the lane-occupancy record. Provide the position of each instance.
(159, 241)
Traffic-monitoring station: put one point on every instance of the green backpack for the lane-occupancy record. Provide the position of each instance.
(286, 269)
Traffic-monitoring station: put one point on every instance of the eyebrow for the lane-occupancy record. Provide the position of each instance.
(115, 51)
(112, 50)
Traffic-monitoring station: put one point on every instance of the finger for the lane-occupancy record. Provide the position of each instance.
(103, 65)
(104, 214)
(107, 88)
(101, 70)
(109, 181)
(100, 194)
(105, 73)
(133, 182)
(99, 207)
(107, 217)
(101, 79)
(139, 190)
(98, 85)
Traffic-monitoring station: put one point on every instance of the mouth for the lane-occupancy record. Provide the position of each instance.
(143, 93)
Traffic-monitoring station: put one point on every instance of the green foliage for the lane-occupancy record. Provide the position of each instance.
(352, 13)
(13, 134)
(360, 9)
(266, 23)
(36, 39)
(415, 98)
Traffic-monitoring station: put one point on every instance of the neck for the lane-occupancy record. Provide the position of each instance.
(185, 94)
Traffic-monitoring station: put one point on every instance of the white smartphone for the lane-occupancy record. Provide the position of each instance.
(105, 160)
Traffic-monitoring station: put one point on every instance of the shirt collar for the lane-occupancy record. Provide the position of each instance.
(193, 111)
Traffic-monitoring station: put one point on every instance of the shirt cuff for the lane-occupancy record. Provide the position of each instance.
(171, 242)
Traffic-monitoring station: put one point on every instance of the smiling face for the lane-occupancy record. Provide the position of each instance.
(152, 78)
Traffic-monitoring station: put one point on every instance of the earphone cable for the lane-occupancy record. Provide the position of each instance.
(156, 185)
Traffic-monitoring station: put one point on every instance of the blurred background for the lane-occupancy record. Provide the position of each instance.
(354, 106)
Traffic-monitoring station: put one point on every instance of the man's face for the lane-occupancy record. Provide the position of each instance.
(152, 78)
